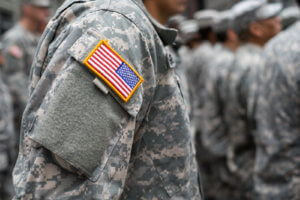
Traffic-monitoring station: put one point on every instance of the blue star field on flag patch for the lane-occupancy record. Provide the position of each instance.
(116, 72)
(128, 75)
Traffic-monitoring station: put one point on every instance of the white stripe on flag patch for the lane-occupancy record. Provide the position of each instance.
(114, 70)
(102, 61)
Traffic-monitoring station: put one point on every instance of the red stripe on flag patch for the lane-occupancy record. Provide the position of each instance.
(107, 64)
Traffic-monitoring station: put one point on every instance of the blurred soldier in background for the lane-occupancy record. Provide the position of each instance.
(19, 45)
(213, 134)
(189, 31)
(206, 20)
(277, 164)
(201, 56)
(258, 22)
(6, 136)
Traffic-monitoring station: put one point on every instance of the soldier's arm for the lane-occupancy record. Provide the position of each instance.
(82, 135)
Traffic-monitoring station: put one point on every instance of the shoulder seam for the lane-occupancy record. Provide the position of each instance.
(113, 11)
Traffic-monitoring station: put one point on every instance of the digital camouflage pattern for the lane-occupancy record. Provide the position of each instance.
(199, 61)
(214, 130)
(214, 135)
(208, 162)
(186, 58)
(19, 47)
(179, 57)
(79, 142)
(6, 136)
(277, 164)
(201, 56)
(240, 116)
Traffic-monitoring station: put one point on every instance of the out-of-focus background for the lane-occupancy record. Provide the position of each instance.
(10, 9)
(217, 43)
(10, 12)
(194, 5)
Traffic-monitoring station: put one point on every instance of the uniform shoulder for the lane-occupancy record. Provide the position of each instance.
(133, 13)
(284, 41)
(80, 29)
(110, 19)
(118, 23)
(283, 52)
(111, 12)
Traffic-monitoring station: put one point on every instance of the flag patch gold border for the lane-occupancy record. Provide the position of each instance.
(85, 62)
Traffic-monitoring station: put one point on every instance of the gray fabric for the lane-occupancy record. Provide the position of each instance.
(79, 51)
(277, 138)
(87, 129)
(150, 156)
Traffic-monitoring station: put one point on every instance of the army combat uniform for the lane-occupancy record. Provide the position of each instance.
(213, 124)
(19, 47)
(199, 61)
(242, 95)
(214, 135)
(180, 72)
(82, 141)
(240, 114)
(277, 164)
(200, 58)
(6, 135)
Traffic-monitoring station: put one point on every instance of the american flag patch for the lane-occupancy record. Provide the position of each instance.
(107, 64)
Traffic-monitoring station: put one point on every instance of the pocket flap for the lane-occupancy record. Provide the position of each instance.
(80, 124)
(122, 80)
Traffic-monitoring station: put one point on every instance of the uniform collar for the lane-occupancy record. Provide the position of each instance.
(167, 35)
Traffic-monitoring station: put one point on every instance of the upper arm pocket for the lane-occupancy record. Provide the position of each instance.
(80, 124)
(83, 48)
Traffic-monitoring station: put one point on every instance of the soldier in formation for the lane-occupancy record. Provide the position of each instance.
(7, 134)
(19, 45)
(200, 57)
(257, 24)
(106, 117)
(17, 54)
(110, 97)
(232, 150)
(213, 136)
(278, 140)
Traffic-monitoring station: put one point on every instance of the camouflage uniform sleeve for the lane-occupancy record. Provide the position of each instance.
(240, 114)
(277, 138)
(81, 137)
